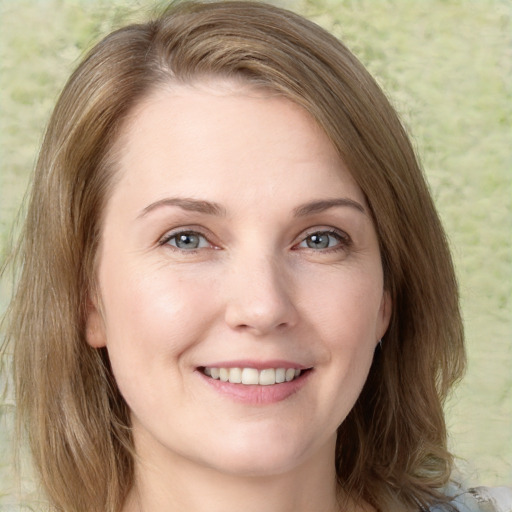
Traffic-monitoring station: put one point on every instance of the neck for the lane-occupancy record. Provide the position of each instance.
(167, 484)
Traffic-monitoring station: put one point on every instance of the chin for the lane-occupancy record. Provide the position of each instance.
(265, 457)
(260, 466)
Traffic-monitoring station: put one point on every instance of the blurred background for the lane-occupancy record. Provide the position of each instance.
(447, 67)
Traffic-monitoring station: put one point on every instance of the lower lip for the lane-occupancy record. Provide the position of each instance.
(255, 394)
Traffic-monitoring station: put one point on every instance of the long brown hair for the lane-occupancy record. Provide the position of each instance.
(391, 449)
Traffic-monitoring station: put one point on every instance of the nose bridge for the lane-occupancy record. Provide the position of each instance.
(260, 293)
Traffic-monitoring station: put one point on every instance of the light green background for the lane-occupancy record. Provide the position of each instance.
(447, 66)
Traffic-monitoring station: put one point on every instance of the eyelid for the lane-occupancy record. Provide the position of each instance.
(343, 237)
(196, 230)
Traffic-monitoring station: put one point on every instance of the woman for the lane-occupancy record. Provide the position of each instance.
(236, 292)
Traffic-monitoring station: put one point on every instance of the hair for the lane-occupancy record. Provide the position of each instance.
(392, 448)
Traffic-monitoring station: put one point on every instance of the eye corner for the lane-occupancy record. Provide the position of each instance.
(323, 244)
(186, 240)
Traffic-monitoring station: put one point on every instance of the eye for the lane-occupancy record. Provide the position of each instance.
(324, 240)
(186, 240)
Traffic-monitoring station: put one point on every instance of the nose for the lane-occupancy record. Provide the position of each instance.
(259, 296)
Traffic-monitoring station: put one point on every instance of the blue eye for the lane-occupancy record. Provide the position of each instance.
(187, 240)
(322, 240)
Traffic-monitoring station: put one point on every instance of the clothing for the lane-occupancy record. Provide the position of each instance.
(480, 499)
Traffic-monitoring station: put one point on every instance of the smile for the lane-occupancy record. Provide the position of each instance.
(252, 376)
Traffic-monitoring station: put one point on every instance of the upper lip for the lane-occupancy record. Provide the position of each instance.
(258, 365)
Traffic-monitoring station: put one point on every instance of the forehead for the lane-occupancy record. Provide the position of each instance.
(223, 138)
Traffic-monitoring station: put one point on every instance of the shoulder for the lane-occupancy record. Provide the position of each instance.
(492, 499)
(480, 499)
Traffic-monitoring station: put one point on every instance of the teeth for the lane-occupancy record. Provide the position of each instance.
(267, 377)
(235, 375)
(251, 376)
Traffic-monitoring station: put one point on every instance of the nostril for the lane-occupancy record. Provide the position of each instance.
(242, 327)
(260, 313)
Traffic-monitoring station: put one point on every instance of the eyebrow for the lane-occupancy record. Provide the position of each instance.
(325, 204)
(189, 204)
(211, 208)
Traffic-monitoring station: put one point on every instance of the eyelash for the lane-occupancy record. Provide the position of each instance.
(174, 235)
(344, 241)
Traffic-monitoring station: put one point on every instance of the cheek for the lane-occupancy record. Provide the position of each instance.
(152, 322)
(153, 316)
(345, 305)
(345, 316)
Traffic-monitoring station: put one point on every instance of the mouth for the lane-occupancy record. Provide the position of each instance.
(253, 376)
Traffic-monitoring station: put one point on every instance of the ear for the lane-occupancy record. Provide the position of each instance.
(95, 326)
(386, 307)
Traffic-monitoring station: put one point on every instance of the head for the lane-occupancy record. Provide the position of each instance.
(394, 438)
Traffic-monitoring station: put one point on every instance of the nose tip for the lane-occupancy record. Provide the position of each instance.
(260, 302)
(258, 323)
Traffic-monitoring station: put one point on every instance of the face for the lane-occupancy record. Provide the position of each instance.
(240, 286)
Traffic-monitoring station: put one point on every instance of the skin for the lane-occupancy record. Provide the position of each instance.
(254, 289)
